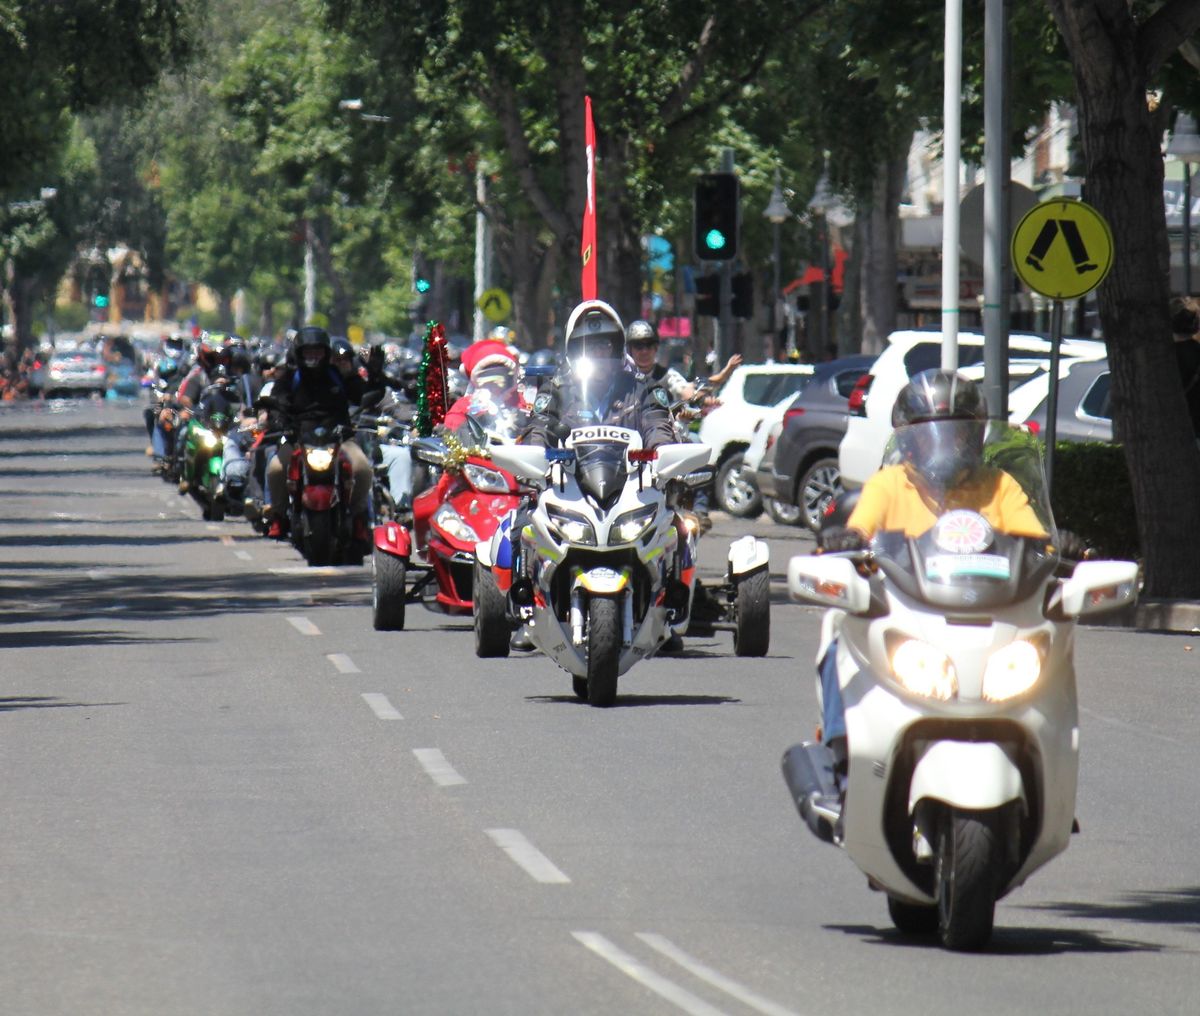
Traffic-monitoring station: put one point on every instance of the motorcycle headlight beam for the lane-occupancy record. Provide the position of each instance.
(485, 480)
(448, 519)
(1012, 671)
(207, 437)
(319, 459)
(632, 525)
(924, 670)
(571, 527)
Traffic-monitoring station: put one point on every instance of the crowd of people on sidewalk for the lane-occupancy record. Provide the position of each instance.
(15, 375)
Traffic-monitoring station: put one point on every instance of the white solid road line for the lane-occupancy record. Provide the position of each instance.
(535, 864)
(440, 771)
(713, 977)
(304, 626)
(95, 574)
(646, 977)
(380, 706)
(343, 663)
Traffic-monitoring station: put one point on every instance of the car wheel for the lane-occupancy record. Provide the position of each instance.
(820, 484)
(783, 513)
(736, 491)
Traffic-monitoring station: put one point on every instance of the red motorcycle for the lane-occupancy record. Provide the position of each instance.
(319, 479)
(464, 506)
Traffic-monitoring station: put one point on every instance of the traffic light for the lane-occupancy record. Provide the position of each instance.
(717, 216)
(743, 295)
(422, 284)
(708, 295)
(100, 299)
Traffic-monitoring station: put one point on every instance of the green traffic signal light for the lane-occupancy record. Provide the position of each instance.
(423, 285)
(100, 300)
(716, 215)
(714, 239)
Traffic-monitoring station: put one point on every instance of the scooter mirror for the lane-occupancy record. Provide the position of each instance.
(1096, 587)
(526, 462)
(829, 581)
(430, 449)
(679, 459)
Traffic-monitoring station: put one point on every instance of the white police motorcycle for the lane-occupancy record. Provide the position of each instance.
(954, 662)
(605, 576)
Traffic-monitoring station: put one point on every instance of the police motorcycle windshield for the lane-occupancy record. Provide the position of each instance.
(600, 464)
(981, 534)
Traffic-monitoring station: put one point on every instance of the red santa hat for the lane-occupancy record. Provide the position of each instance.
(486, 353)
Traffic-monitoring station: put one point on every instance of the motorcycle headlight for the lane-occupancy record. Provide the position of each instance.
(448, 519)
(571, 527)
(632, 525)
(924, 670)
(1012, 671)
(207, 438)
(485, 480)
(319, 459)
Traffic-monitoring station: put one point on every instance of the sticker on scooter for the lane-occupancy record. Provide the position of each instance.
(963, 532)
(946, 567)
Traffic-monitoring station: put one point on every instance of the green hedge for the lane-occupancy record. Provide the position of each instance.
(1092, 497)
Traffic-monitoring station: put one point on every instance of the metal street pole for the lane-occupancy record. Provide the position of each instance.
(482, 282)
(997, 215)
(725, 338)
(310, 275)
(1187, 229)
(951, 151)
(1056, 328)
(823, 309)
(777, 214)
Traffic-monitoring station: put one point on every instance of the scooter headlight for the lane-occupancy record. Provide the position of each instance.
(632, 525)
(571, 527)
(924, 670)
(446, 518)
(485, 480)
(1012, 671)
(319, 459)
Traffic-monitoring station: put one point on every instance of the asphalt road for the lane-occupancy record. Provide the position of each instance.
(224, 793)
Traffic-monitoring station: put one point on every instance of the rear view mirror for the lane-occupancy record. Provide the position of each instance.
(1096, 587)
(526, 462)
(829, 581)
(430, 449)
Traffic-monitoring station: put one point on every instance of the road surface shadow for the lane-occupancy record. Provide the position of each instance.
(625, 701)
(62, 539)
(1009, 941)
(66, 639)
(1159, 906)
(13, 703)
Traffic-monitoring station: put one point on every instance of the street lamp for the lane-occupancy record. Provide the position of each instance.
(1185, 146)
(776, 213)
(823, 200)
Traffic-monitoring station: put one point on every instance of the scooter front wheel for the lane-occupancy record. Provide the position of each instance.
(752, 635)
(968, 853)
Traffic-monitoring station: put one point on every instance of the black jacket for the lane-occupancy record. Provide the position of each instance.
(632, 403)
(321, 396)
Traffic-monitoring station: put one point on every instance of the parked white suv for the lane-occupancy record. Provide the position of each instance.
(746, 398)
(910, 352)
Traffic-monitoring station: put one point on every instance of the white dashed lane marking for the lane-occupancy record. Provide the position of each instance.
(380, 706)
(532, 861)
(440, 771)
(638, 971)
(343, 663)
(304, 626)
(242, 555)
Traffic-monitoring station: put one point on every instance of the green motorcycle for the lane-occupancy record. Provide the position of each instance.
(204, 451)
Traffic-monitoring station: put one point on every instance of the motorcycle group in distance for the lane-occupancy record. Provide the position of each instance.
(577, 540)
(554, 503)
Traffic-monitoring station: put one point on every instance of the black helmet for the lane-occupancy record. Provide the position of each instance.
(594, 330)
(342, 347)
(940, 420)
(212, 351)
(314, 340)
(641, 331)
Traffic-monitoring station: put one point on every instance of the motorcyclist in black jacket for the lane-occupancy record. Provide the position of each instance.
(315, 392)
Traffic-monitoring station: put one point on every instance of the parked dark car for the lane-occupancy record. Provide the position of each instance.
(800, 467)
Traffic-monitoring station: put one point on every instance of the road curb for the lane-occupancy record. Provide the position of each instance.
(1174, 616)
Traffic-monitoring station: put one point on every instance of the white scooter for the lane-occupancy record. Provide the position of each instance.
(954, 661)
(605, 583)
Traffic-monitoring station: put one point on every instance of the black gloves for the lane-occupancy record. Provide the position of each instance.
(841, 538)
(1072, 546)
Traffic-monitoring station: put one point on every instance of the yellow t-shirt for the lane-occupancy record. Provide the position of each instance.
(891, 501)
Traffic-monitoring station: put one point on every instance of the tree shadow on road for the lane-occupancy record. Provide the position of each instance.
(625, 701)
(14, 703)
(1155, 906)
(1009, 941)
(66, 639)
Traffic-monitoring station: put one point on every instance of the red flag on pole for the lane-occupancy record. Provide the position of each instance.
(587, 247)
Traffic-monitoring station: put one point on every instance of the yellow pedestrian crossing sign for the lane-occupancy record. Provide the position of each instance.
(496, 304)
(1062, 249)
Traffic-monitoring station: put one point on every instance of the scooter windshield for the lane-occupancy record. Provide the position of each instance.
(490, 422)
(968, 524)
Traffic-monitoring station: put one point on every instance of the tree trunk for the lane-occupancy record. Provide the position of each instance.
(620, 238)
(225, 312)
(878, 259)
(1124, 183)
(19, 295)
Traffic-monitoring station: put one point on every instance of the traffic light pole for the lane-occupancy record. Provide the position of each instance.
(725, 334)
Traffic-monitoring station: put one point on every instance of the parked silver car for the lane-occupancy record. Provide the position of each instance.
(71, 373)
